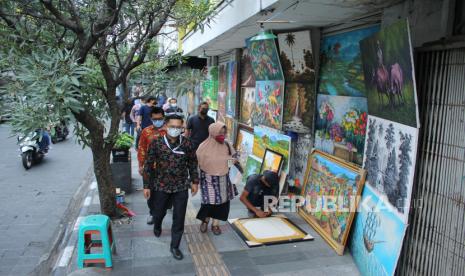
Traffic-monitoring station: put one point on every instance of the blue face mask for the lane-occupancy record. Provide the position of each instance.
(158, 123)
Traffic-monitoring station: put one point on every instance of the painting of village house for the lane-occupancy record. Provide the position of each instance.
(331, 188)
(390, 153)
(389, 75)
(269, 104)
(341, 126)
(377, 236)
(341, 65)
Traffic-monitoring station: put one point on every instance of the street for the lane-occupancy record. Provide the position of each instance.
(33, 202)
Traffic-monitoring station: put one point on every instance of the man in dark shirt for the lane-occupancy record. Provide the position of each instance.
(170, 163)
(126, 114)
(173, 107)
(257, 187)
(144, 117)
(197, 125)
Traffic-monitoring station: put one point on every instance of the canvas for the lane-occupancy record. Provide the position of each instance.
(247, 75)
(341, 65)
(244, 145)
(330, 190)
(191, 104)
(269, 97)
(377, 236)
(272, 161)
(212, 114)
(231, 89)
(267, 138)
(221, 106)
(340, 126)
(295, 51)
(300, 154)
(265, 60)
(210, 87)
(223, 77)
(299, 107)
(389, 74)
(390, 154)
(247, 105)
(231, 127)
(252, 166)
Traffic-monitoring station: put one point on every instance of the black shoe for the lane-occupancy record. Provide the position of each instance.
(149, 220)
(177, 254)
(157, 231)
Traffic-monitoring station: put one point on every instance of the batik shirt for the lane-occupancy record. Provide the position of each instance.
(169, 165)
(146, 137)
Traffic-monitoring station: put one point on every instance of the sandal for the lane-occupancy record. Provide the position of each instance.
(216, 230)
(204, 226)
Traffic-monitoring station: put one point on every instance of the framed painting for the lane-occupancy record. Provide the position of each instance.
(231, 127)
(269, 98)
(268, 231)
(244, 144)
(210, 87)
(272, 161)
(299, 108)
(265, 60)
(252, 166)
(247, 74)
(331, 189)
(268, 138)
(231, 89)
(221, 106)
(247, 107)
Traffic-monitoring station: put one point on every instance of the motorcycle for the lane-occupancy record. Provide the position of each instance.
(31, 152)
(59, 132)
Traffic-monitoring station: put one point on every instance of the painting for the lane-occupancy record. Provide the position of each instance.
(295, 52)
(231, 89)
(231, 128)
(389, 74)
(191, 104)
(247, 75)
(340, 126)
(265, 60)
(269, 103)
(247, 105)
(267, 138)
(300, 107)
(390, 153)
(377, 236)
(268, 231)
(223, 77)
(300, 154)
(272, 161)
(210, 87)
(221, 106)
(341, 70)
(330, 190)
(212, 114)
(244, 145)
(252, 166)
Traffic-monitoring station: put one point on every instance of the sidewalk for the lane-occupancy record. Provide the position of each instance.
(139, 252)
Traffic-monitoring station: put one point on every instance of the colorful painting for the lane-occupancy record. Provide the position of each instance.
(244, 145)
(223, 77)
(330, 192)
(341, 126)
(390, 154)
(247, 75)
(221, 106)
(341, 64)
(252, 166)
(272, 161)
(231, 128)
(247, 105)
(267, 138)
(232, 89)
(300, 107)
(265, 60)
(269, 103)
(210, 87)
(377, 236)
(297, 57)
(389, 74)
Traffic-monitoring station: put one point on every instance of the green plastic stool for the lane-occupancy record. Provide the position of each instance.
(93, 225)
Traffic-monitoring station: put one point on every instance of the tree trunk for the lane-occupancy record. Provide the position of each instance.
(102, 170)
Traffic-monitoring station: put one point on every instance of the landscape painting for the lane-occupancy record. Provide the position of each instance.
(300, 107)
(341, 126)
(244, 145)
(265, 60)
(330, 192)
(221, 106)
(390, 154)
(272, 161)
(247, 105)
(231, 127)
(231, 87)
(210, 87)
(389, 74)
(297, 57)
(252, 166)
(247, 74)
(377, 236)
(269, 103)
(341, 64)
(223, 77)
(267, 138)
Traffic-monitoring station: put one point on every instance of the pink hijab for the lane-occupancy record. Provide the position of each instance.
(212, 156)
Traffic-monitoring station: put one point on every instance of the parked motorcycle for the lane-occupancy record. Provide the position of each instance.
(59, 132)
(30, 147)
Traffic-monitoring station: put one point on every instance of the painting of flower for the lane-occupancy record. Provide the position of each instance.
(269, 104)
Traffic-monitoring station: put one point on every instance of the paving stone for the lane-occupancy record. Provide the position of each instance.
(161, 270)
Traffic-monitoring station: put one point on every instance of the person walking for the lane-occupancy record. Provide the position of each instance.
(129, 124)
(170, 166)
(173, 107)
(215, 156)
(138, 103)
(147, 135)
(143, 117)
(197, 125)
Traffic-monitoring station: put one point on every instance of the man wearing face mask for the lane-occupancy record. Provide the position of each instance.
(147, 135)
(173, 108)
(170, 161)
(197, 125)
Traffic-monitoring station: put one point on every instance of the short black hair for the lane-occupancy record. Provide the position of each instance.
(174, 117)
(151, 98)
(157, 110)
(202, 103)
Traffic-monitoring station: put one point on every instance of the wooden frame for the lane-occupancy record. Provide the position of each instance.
(343, 173)
(274, 153)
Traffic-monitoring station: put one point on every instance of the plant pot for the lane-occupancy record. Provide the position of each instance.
(120, 155)
(121, 176)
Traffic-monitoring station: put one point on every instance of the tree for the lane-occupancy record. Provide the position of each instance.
(390, 139)
(290, 41)
(68, 58)
(389, 178)
(373, 168)
(404, 169)
(370, 142)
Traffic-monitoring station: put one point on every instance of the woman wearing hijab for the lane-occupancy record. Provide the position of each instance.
(215, 156)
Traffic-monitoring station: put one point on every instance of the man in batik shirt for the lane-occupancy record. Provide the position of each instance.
(170, 166)
(147, 135)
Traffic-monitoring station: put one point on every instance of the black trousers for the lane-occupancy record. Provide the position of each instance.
(161, 202)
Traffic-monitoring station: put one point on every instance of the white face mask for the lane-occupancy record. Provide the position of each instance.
(174, 132)
(173, 105)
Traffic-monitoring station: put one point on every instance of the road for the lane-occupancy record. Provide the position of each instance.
(33, 202)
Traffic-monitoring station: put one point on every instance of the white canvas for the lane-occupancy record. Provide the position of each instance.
(268, 228)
